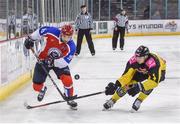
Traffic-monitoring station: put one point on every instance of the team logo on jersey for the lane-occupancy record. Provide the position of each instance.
(54, 52)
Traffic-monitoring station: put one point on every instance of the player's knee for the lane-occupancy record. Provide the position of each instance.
(118, 84)
(38, 87)
(147, 92)
(120, 92)
(66, 80)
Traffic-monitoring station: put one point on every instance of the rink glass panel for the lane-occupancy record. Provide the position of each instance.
(16, 60)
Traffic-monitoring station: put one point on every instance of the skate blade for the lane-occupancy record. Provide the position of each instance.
(39, 99)
(73, 108)
(133, 110)
(25, 104)
(104, 109)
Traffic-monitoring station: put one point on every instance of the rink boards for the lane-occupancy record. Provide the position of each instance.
(15, 66)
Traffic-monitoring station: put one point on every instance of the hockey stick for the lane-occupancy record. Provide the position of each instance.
(39, 61)
(60, 101)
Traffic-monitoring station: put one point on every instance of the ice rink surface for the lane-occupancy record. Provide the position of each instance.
(162, 106)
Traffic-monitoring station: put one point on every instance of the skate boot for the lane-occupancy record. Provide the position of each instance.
(73, 105)
(136, 105)
(41, 94)
(109, 104)
(93, 54)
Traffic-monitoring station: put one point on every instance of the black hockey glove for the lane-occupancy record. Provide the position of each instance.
(49, 62)
(135, 89)
(111, 88)
(28, 43)
(52, 55)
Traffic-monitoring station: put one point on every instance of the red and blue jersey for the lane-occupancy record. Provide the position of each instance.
(52, 41)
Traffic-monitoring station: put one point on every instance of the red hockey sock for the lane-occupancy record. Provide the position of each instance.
(38, 87)
(68, 84)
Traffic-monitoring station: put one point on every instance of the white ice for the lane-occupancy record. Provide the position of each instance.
(162, 106)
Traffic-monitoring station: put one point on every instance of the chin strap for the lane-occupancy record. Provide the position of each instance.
(61, 40)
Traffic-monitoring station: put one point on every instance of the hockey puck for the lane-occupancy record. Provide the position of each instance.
(76, 76)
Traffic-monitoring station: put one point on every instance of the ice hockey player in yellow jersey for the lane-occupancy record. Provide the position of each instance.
(143, 72)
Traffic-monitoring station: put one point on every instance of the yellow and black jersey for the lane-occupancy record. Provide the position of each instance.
(152, 69)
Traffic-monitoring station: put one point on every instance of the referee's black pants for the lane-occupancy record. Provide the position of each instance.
(121, 31)
(80, 36)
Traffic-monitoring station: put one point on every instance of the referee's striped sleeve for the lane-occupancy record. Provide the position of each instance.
(77, 22)
(91, 21)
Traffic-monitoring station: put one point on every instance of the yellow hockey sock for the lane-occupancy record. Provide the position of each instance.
(142, 96)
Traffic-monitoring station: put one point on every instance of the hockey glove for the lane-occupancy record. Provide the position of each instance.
(111, 88)
(135, 89)
(28, 43)
(49, 62)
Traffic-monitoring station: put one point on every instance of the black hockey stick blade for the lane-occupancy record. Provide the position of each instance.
(27, 106)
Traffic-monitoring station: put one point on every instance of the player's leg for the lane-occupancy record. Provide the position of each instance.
(122, 91)
(122, 33)
(144, 94)
(139, 77)
(39, 78)
(9, 31)
(119, 93)
(115, 38)
(90, 42)
(79, 41)
(65, 76)
(120, 86)
(14, 30)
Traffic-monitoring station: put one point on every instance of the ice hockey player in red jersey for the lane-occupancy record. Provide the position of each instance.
(56, 53)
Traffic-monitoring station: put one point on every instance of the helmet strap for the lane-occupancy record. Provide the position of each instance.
(146, 56)
(61, 39)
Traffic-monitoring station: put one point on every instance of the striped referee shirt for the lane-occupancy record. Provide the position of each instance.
(11, 20)
(121, 20)
(83, 21)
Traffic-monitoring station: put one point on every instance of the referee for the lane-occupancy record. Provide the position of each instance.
(121, 24)
(83, 26)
